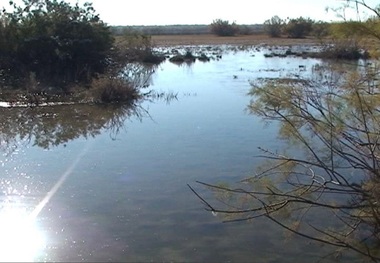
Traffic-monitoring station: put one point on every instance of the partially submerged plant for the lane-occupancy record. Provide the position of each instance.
(188, 57)
(107, 89)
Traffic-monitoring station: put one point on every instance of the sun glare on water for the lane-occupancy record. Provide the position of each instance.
(20, 238)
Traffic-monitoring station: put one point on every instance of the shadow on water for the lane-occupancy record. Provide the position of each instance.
(47, 127)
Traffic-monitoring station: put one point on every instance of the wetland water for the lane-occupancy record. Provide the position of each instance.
(83, 183)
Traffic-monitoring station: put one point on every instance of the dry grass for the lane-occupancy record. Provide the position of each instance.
(107, 89)
(173, 40)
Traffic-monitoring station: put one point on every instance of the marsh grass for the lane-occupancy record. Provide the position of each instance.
(107, 89)
(167, 97)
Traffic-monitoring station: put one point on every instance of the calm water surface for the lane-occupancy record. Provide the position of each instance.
(76, 189)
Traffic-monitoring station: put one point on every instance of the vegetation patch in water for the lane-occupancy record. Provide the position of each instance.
(51, 50)
(189, 57)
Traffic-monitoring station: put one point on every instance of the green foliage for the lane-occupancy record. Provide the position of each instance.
(274, 26)
(224, 28)
(347, 41)
(299, 27)
(348, 29)
(333, 120)
(320, 29)
(371, 27)
(349, 49)
(60, 43)
(245, 30)
(356, 36)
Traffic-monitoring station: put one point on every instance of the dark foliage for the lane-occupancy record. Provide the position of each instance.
(299, 28)
(224, 28)
(274, 26)
(59, 43)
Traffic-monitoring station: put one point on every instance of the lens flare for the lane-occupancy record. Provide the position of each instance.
(20, 238)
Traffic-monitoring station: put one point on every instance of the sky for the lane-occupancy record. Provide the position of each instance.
(174, 12)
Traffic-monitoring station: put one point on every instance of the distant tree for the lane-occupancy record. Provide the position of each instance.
(274, 26)
(299, 27)
(134, 46)
(224, 28)
(320, 29)
(245, 30)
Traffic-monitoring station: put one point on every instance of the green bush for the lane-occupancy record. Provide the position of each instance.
(320, 29)
(348, 49)
(274, 26)
(59, 43)
(299, 28)
(224, 28)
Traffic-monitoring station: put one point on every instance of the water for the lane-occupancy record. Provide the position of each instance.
(90, 189)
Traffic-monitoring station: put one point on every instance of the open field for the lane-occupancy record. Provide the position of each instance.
(208, 39)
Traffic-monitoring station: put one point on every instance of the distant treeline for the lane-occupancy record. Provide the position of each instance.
(180, 29)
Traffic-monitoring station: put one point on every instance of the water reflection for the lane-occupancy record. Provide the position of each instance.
(140, 75)
(21, 238)
(50, 126)
(127, 200)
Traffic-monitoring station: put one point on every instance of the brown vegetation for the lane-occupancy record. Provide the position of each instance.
(257, 39)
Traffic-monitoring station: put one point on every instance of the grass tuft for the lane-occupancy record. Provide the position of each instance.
(113, 90)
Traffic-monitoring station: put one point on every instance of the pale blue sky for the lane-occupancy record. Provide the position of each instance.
(161, 12)
(167, 12)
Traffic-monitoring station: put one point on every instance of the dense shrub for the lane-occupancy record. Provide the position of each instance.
(299, 27)
(351, 39)
(320, 29)
(348, 49)
(224, 28)
(59, 43)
